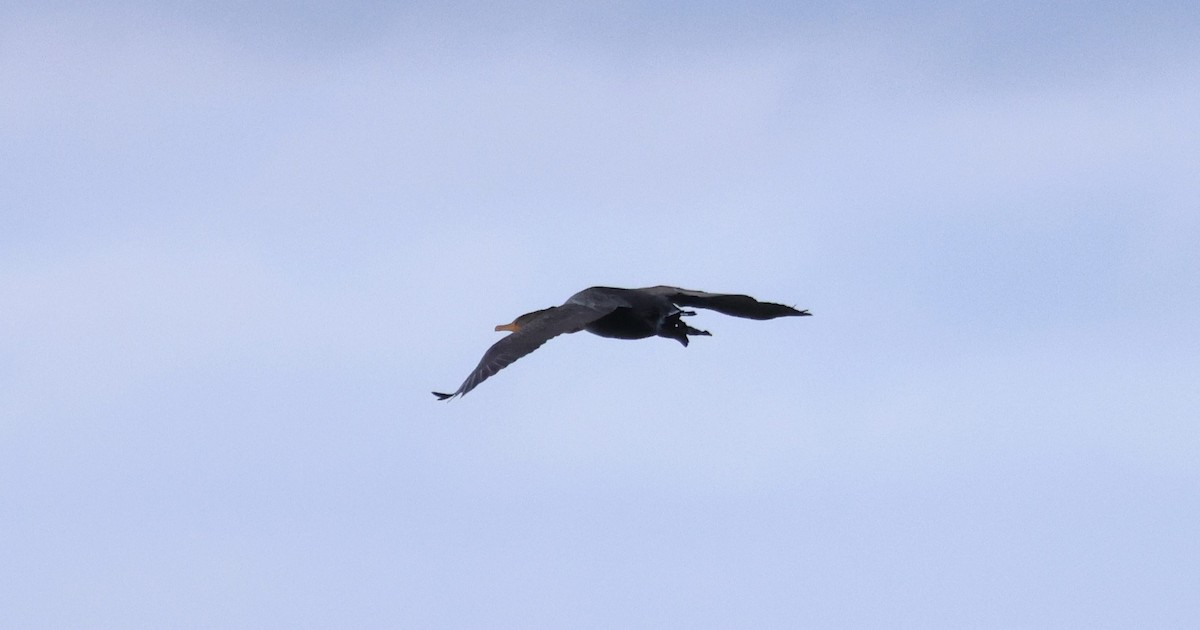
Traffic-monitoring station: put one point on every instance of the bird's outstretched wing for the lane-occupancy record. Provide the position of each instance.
(729, 304)
(552, 322)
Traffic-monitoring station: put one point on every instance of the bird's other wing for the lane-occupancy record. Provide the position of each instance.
(553, 322)
(729, 304)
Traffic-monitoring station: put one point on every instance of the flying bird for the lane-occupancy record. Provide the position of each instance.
(618, 314)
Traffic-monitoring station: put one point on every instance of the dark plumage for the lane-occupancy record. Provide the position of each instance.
(616, 313)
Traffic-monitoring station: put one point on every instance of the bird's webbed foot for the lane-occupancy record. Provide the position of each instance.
(674, 328)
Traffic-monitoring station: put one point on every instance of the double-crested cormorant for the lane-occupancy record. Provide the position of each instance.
(616, 313)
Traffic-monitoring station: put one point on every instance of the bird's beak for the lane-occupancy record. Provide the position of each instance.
(513, 327)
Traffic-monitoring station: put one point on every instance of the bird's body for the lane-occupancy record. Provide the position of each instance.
(635, 315)
(617, 314)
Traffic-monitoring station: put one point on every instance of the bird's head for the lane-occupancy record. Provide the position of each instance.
(521, 321)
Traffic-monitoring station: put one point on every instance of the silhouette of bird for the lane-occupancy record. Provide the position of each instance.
(615, 313)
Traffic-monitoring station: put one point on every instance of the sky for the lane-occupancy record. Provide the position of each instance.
(241, 242)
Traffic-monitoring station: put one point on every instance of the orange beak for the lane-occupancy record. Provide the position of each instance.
(513, 327)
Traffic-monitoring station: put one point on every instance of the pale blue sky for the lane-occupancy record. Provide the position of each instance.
(239, 245)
